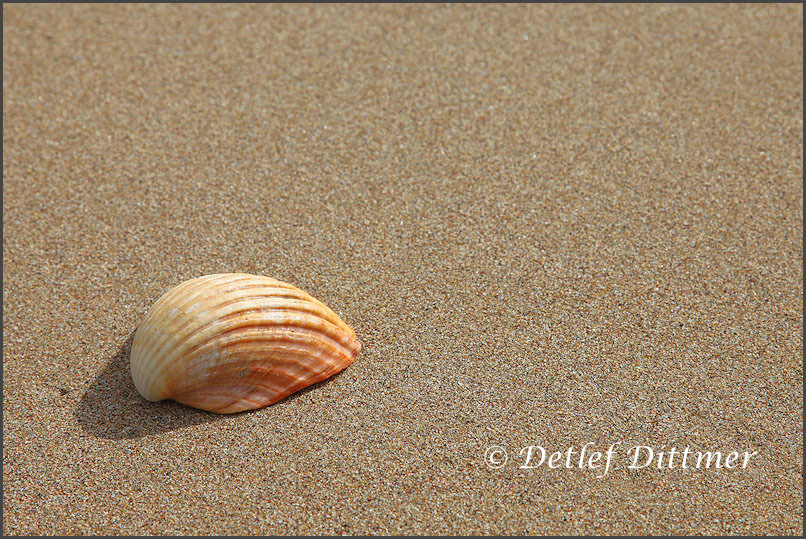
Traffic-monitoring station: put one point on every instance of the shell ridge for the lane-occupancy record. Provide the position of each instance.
(185, 319)
(276, 330)
(264, 375)
(306, 321)
(182, 295)
(156, 342)
(233, 407)
(283, 352)
(320, 339)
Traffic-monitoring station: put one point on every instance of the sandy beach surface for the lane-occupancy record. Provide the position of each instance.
(549, 225)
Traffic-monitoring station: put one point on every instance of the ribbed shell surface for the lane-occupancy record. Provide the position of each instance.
(233, 342)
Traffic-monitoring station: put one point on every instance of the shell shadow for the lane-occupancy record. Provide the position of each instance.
(112, 408)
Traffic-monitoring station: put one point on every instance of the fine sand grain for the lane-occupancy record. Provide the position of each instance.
(549, 225)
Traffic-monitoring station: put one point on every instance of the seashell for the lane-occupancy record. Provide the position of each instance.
(232, 342)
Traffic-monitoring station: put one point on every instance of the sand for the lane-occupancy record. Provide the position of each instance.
(549, 225)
